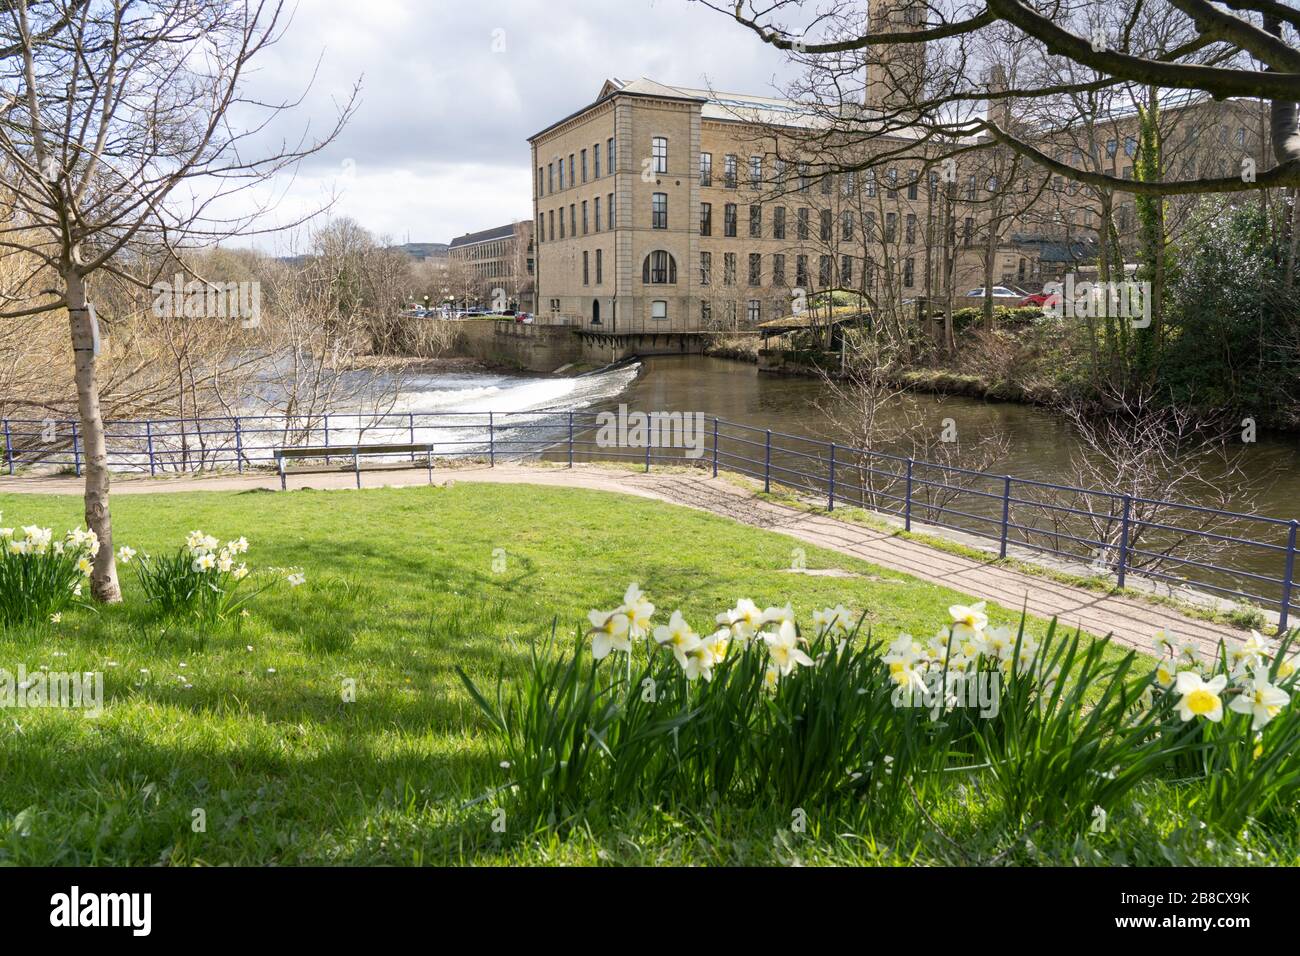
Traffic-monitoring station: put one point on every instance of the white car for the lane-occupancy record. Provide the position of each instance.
(1001, 295)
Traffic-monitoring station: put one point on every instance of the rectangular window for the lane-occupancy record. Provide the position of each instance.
(934, 183)
(801, 271)
(573, 171)
(586, 275)
(609, 155)
(891, 183)
(729, 220)
(597, 211)
(659, 150)
(659, 211)
(550, 178)
(551, 237)
(561, 222)
(970, 188)
(584, 217)
(846, 225)
(611, 210)
(706, 169)
(846, 270)
(595, 157)
(584, 165)
(573, 218)
(778, 269)
(755, 222)
(871, 183)
(824, 277)
(539, 181)
(891, 226)
(753, 311)
(706, 268)
(600, 268)
(778, 223)
(849, 184)
(825, 228)
(729, 171)
(909, 229)
(911, 184)
(805, 178)
(706, 219)
(561, 163)
(802, 231)
(728, 268)
(828, 184)
(755, 268)
(968, 231)
(909, 272)
(659, 309)
(755, 172)
(706, 313)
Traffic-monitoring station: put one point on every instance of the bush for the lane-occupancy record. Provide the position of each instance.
(40, 578)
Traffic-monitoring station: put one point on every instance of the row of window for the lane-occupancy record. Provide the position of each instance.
(849, 224)
(660, 268)
(591, 215)
(546, 184)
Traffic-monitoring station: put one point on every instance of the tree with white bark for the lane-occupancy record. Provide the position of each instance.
(125, 130)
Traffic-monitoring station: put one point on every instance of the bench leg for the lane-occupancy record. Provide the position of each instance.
(429, 462)
(356, 466)
(283, 486)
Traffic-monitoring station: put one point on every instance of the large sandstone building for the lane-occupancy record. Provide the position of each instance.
(668, 209)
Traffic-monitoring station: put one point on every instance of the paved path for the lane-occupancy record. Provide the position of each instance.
(1131, 621)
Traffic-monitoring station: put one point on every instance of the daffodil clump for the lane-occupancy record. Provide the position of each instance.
(41, 576)
(772, 630)
(202, 578)
(1048, 729)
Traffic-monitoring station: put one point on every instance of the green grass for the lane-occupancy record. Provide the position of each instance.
(401, 590)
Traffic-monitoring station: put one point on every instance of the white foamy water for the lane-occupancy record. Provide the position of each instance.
(459, 413)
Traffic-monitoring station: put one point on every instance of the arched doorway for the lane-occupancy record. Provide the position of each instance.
(595, 312)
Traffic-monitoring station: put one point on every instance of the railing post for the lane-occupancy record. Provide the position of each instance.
(492, 441)
(1288, 579)
(239, 446)
(9, 448)
(767, 463)
(570, 439)
(412, 424)
(715, 447)
(148, 441)
(76, 450)
(327, 437)
(647, 454)
(830, 501)
(1006, 514)
(1123, 540)
(907, 498)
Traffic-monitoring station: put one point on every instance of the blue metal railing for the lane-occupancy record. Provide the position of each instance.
(1166, 541)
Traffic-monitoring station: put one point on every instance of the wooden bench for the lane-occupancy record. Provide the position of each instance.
(355, 453)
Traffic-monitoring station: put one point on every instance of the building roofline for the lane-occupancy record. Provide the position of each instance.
(605, 99)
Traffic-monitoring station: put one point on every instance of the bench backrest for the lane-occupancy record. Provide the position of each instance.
(346, 451)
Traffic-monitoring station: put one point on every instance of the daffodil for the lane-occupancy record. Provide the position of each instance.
(778, 615)
(1261, 699)
(1200, 698)
(771, 679)
(999, 642)
(609, 632)
(678, 636)
(638, 611)
(718, 643)
(832, 620)
(699, 663)
(783, 648)
(125, 554)
(968, 621)
(744, 619)
(1165, 673)
(84, 566)
(206, 562)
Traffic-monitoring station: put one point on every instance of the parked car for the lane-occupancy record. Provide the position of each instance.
(1001, 295)
(1041, 300)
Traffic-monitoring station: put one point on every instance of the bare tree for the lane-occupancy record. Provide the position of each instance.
(107, 109)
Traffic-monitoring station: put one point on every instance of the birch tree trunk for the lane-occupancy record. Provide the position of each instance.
(103, 580)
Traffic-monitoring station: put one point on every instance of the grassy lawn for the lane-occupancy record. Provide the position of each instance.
(248, 724)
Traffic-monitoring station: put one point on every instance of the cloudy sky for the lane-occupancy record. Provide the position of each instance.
(452, 89)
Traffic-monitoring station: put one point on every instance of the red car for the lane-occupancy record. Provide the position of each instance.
(1041, 299)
